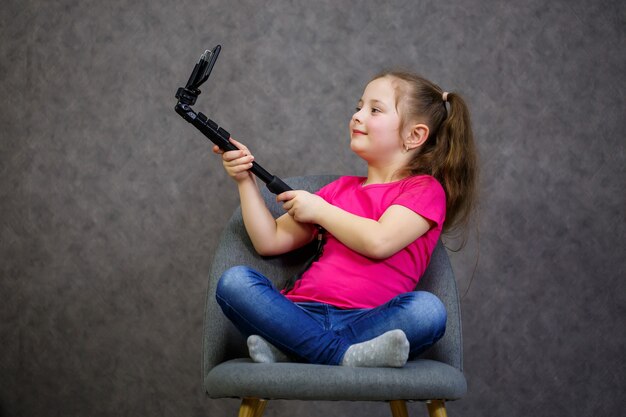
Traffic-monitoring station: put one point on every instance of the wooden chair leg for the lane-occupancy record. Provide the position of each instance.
(436, 408)
(398, 408)
(252, 407)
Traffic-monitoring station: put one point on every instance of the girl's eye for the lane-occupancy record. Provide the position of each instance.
(358, 109)
(375, 110)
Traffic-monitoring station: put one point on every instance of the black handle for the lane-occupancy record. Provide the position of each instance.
(221, 138)
(277, 186)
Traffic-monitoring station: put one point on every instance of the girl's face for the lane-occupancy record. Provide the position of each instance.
(375, 127)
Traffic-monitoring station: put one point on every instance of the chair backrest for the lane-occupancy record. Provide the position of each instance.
(222, 341)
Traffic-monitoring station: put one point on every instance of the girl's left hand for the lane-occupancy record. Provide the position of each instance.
(303, 206)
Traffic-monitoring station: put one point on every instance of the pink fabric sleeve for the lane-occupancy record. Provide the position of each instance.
(426, 197)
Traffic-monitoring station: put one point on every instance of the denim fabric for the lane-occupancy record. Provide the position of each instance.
(320, 333)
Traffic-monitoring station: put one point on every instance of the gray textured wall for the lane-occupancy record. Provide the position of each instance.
(111, 204)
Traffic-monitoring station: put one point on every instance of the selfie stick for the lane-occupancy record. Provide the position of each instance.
(187, 97)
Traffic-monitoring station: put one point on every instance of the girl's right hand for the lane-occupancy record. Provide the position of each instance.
(236, 163)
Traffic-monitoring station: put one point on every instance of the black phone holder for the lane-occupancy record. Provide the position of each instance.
(187, 97)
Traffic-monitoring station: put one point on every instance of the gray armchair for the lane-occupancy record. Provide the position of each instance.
(435, 377)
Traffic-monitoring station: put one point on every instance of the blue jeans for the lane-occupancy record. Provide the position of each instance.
(320, 333)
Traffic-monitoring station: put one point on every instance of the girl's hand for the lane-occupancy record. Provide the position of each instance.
(303, 206)
(236, 163)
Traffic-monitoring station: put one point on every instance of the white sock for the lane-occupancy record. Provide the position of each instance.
(262, 351)
(390, 349)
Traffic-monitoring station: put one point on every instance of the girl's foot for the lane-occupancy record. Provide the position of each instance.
(390, 349)
(262, 351)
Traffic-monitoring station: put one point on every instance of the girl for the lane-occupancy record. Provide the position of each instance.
(355, 306)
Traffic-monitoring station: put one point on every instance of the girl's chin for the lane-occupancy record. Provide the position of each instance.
(360, 151)
(356, 147)
(367, 154)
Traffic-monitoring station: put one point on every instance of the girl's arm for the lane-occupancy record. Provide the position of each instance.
(269, 236)
(378, 239)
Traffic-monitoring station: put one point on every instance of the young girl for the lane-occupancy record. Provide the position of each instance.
(355, 306)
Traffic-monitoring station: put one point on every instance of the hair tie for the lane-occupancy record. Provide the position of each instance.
(444, 96)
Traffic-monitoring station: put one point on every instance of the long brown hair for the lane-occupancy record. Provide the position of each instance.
(449, 153)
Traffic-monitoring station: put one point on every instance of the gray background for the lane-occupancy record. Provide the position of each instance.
(111, 204)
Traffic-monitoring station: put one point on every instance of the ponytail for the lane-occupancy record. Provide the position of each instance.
(449, 153)
(456, 164)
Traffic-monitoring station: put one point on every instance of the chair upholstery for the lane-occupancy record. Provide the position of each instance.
(228, 371)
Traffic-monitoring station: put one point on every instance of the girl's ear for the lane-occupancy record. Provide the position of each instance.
(416, 137)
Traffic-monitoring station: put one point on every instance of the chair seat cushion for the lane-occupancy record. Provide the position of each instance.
(419, 379)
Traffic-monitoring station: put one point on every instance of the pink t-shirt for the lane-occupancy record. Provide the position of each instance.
(347, 279)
